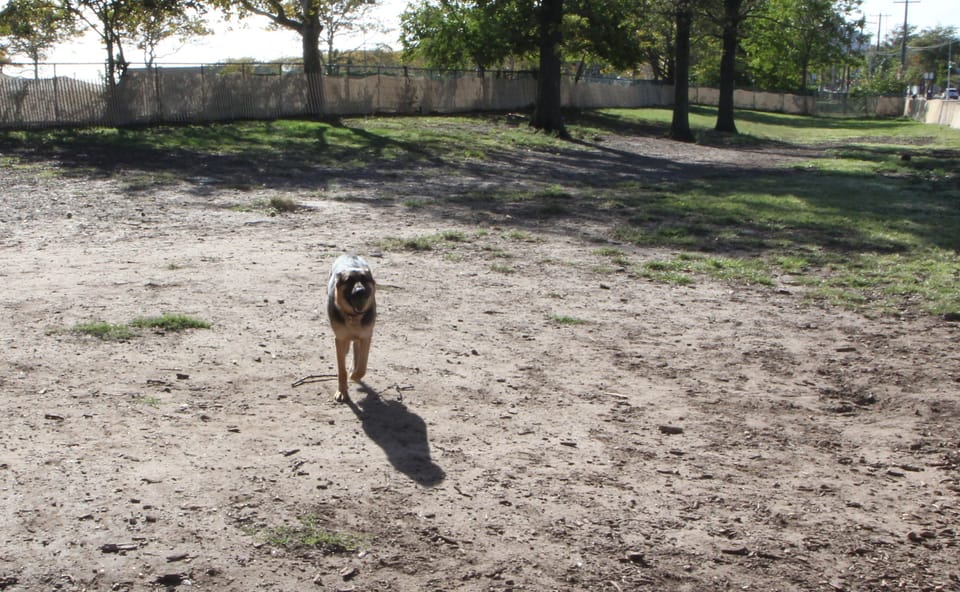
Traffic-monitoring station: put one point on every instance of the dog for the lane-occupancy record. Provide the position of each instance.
(352, 310)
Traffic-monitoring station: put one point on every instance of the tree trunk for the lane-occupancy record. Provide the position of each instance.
(547, 114)
(728, 66)
(310, 31)
(680, 126)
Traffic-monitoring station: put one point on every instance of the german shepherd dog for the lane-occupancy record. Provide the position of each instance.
(352, 309)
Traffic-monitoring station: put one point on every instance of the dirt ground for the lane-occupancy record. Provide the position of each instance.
(534, 417)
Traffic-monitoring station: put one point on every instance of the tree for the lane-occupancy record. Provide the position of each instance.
(459, 35)
(606, 32)
(308, 19)
(159, 21)
(117, 22)
(680, 124)
(547, 114)
(733, 17)
(791, 38)
(930, 50)
(33, 27)
(341, 16)
(657, 31)
(481, 33)
(105, 18)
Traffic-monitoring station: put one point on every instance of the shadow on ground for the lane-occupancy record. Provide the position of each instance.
(400, 433)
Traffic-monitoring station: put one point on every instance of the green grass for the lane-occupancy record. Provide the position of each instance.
(299, 144)
(427, 242)
(859, 227)
(126, 331)
(148, 401)
(566, 320)
(170, 322)
(105, 331)
(309, 534)
(875, 244)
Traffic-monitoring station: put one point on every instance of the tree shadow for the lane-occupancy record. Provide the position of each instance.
(401, 434)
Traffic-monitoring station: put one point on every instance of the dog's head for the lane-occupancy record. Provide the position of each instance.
(355, 287)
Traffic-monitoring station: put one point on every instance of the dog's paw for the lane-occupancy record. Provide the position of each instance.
(341, 397)
(357, 376)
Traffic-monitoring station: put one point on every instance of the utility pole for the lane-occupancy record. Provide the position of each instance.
(871, 65)
(880, 28)
(949, 65)
(903, 45)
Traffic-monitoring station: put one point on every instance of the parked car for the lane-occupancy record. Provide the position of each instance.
(951, 93)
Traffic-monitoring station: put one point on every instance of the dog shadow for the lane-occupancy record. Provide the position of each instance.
(401, 434)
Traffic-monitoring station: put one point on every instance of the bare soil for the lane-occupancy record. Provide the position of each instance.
(534, 417)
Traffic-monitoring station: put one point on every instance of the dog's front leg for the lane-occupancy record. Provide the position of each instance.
(361, 351)
(342, 346)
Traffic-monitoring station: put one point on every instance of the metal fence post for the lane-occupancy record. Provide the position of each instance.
(158, 114)
(56, 96)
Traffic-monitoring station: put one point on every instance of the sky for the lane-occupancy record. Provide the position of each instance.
(924, 14)
(249, 38)
(252, 38)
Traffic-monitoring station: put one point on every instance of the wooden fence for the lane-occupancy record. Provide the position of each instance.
(202, 94)
(270, 91)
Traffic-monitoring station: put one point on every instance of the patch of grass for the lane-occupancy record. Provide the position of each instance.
(273, 206)
(140, 182)
(683, 268)
(566, 320)
(125, 331)
(500, 268)
(310, 534)
(281, 204)
(869, 241)
(424, 242)
(170, 322)
(675, 271)
(105, 331)
(415, 204)
(616, 256)
(300, 144)
(148, 401)
(520, 236)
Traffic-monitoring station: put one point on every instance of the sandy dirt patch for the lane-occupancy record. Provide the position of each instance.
(533, 417)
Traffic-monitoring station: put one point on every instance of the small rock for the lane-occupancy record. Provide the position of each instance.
(170, 580)
(349, 572)
(672, 430)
